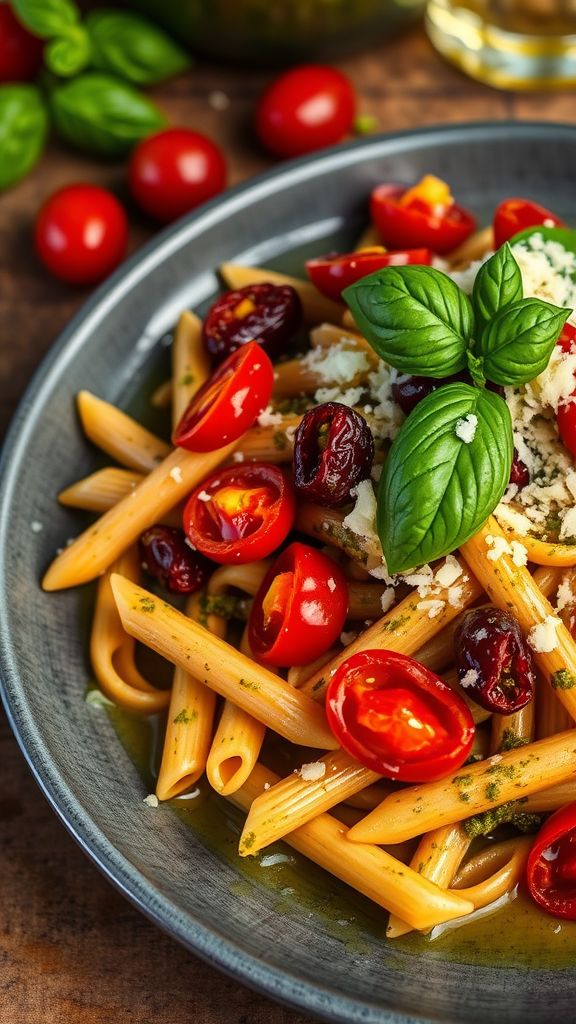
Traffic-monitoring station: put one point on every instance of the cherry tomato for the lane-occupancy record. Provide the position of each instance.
(331, 274)
(423, 216)
(305, 109)
(407, 393)
(566, 414)
(493, 660)
(300, 608)
(514, 215)
(333, 451)
(240, 514)
(267, 313)
(174, 171)
(398, 718)
(551, 867)
(168, 558)
(20, 51)
(228, 403)
(81, 234)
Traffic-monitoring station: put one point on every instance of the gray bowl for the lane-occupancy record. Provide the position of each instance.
(209, 901)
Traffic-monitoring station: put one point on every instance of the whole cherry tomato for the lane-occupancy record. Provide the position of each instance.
(300, 608)
(267, 313)
(305, 109)
(20, 51)
(168, 558)
(398, 718)
(241, 513)
(333, 451)
(423, 216)
(228, 403)
(174, 171)
(566, 414)
(81, 234)
(551, 867)
(493, 660)
(514, 215)
(331, 274)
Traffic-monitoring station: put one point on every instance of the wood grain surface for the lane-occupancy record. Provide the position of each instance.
(72, 951)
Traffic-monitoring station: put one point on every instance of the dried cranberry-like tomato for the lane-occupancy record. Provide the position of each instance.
(333, 451)
(267, 313)
(493, 661)
(519, 474)
(409, 392)
(166, 556)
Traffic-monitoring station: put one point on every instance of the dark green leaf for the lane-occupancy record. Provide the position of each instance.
(517, 343)
(437, 490)
(69, 54)
(134, 48)
(415, 318)
(498, 284)
(47, 18)
(23, 128)
(100, 114)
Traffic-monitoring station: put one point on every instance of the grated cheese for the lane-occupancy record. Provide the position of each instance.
(151, 800)
(312, 772)
(269, 418)
(470, 678)
(466, 428)
(336, 365)
(176, 474)
(542, 638)
(237, 401)
(387, 599)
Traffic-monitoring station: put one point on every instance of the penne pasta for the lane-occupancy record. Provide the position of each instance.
(549, 799)
(506, 861)
(540, 552)
(368, 239)
(474, 248)
(101, 490)
(316, 307)
(268, 444)
(552, 716)
(119, 435)
(478, 714)
(161, 397)
(327, 335)
(223, 668)
(190, 363)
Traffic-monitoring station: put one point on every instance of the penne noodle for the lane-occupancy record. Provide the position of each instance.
(478, 714)
(95, 549)
(161, 397)
(540, 552)
(328, 335)
(549, 799)
(365, 600)
(268, 444)
(298, 674)
(473, 248)
(101, 490)
(552, 716)
(474, 789)
(373, 872)
(326, 524)
(190, 363)
(548, 579)
(247, 577)
(119, 435)
(506, 861)
(316, 307)
(514, 730)
(223, 668)
(296, 800)
(368, 239)
(367, 799)
(118, 677)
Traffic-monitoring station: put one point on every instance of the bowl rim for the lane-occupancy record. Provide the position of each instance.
(219, 951)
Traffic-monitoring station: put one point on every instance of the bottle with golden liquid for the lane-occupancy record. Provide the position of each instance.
(513, 44)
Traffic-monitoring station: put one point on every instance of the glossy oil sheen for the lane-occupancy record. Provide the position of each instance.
(285, 946)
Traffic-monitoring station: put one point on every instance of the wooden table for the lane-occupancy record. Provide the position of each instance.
(72, 951)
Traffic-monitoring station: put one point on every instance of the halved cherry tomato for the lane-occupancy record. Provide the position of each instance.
(514, 215)
(566, 414)
(398, 718)
(241, 513)
(331, 274)
(300, 608)
(228, 403)
(423, 216)
(551, 867)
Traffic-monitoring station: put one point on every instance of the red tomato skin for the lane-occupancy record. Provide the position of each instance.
(81, 234)
(566, 414)
(212, 419)
(174, 171)
(425, 684)
(276, 524)
(332, 274)
(514, 215)
(540, 872)
(402, 227)
(298, 640)
(20, 51)
(304, 109)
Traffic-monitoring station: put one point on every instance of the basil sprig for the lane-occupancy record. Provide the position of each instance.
(134, 48)
(23, 128)
(450, 463)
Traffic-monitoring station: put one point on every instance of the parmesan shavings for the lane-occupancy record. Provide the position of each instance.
(176, 474)
(466, 428)
(312, 772)
(269, 418)
(470, 678)
(151, 800)
(542, 638)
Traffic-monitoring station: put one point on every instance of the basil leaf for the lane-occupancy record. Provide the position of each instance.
(498, 284)
(415, 318)
(517, 343)
(100, 114)
(69, 54)
(46, 18)
(437, 490)
(133, 48)
(23, 129)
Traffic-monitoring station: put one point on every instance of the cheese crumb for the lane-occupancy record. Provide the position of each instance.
(204, 496)
(176, 474)
(434, 607)
(36, 526)
(466, 428)
(470, 678)
(331, 584)
(495, 759)
(519, 553)
(151, 800)
(498, 546)
(542, 638)
(337, 365)
(269, 418)
(238, 457)
(312, 772)
(387, 599)
(237, 401)
(564, 596)
(448, 573)
(348, 637)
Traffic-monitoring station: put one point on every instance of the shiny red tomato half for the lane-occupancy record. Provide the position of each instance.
(566, 414)
(551, 867)
(418, 224)
(228, 403)
(514, 215)
(305, 109)
(241, 513)
(174, 171)
(331, 274)
(20, 51)
(398, 718)
(300, 608)
(81, 234)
